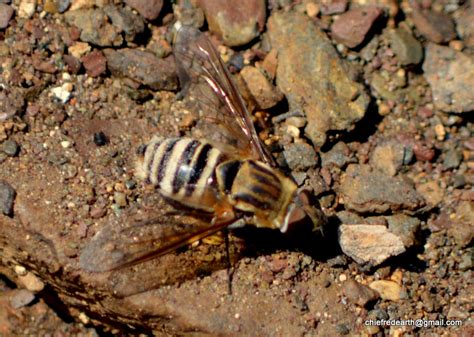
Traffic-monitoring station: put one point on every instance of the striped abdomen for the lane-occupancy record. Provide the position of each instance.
(183, 170)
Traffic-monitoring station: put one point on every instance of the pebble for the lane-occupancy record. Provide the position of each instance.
(388, 158)
(311, 71)
(124, 20)
(120, 199)
(26, 9)
(300, 156)
(78, 49)
(100, 139)
(449, 74)
(136, 64)
(358, 293)
(7, 196)
(466, 262)
(406, 47)
(266, 95)
(6, 13)
(95, 63)
(10, 147)
(465, 28)
(405, 227)
(20, 270)
(22, 298)
(423, 153)
(431, 192)
(333, 7)
(365, 190)
(238, 22)
(338, 156)
(352, 27)
(31, 282)
(452, 159)
(149, 9)
(435, 26)
(388, 290)
(312, 9)
(62, 93)
(369, 243)
(95, 27)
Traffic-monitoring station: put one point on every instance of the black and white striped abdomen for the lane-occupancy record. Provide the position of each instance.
(182, 169)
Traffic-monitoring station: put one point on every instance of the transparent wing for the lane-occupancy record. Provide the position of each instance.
(203, 75)
(118, 247)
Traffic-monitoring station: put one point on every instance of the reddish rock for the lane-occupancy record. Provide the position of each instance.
(149, 9)
(334, 7)
(6, 13)
(237, 22)
(352, 28)
(436, 27)
(46, 66)
(95, 63)
(73, 64)
(423, 153)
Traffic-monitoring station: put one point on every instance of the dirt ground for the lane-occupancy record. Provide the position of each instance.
(366, 104)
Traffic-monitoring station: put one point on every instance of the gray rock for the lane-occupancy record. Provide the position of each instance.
(265, 94)
(125, 21)
(7, 196)
(451, 78)
(407, 48)
(405, 227)
(313, 77)
(10, 148)
(6, 13)
(143, 67)
(339, 156)
(300, 156)
(358, 293)
(369, 243)
(365, 190)
(452, 159)
(95, 27)
(21, 298)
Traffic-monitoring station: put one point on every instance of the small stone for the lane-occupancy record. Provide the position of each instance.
(388, 158)
(423, 153)
(312, 9)
(20, 270)
(137, 64)
(358, 293)
(452, 159)
(440, 132)
(78, 49)
(7, 196)
(22, 298)
(352, 27)
(98, 211)
(149, 9)
(405, 227)
(61, 93)
(130, 184)
(431, 192)
(466, 262)
(65, 144)
(338, 156)
(365, 190)
(369, 243)
(300, 156)
(265, 94)
(73, 64)
(26, 9)
(120, 199)
(435, 26)
(237, 22)
(388, 290)
(124, 20)
(333, 7)
(407, 48)
(6, 13)
(100, 139)
(10, 147)
(95, 63)
(31, 282)
(449, 74)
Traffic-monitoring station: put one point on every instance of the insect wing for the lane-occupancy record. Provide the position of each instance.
(115, 247)
(202, 71)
